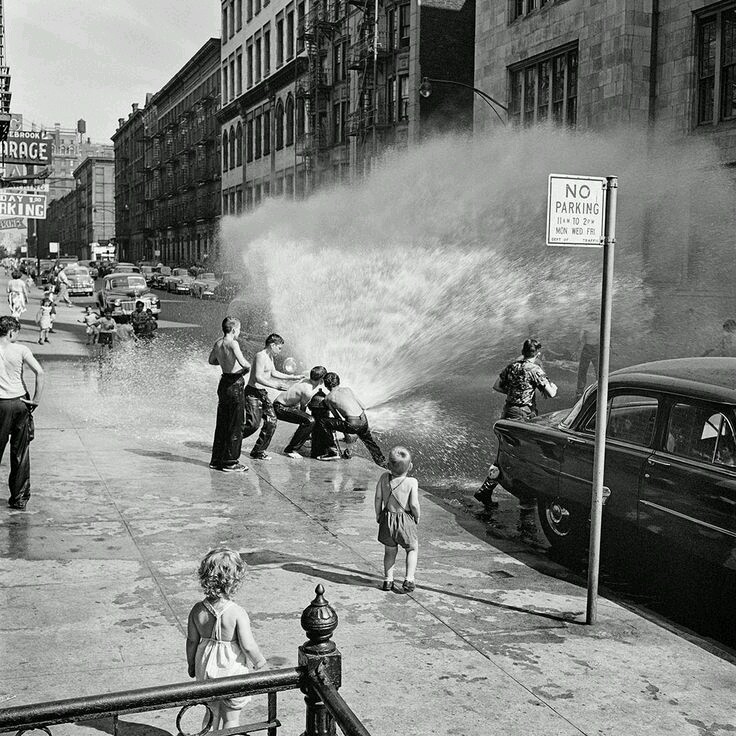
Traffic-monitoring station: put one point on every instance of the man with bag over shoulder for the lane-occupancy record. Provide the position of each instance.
(16, 422)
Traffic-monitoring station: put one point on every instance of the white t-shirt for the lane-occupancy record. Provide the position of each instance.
(63, 277)
(12, 357)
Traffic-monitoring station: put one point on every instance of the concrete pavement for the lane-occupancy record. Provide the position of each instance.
(99, 573)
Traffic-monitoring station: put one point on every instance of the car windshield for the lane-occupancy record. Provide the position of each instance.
(127, 282)
(77, 271)
(207, 277)
(567, 422)
(180, 272)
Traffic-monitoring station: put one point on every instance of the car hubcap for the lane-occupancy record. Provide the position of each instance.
(558, 518)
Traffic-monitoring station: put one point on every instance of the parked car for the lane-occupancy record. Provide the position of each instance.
(148, 272)
(179, 282)
(93, 267)
(203, 287)
(120, 292)
(229, 287)
(81, 282)
(158, 280)
(125, 268)
(670, 467)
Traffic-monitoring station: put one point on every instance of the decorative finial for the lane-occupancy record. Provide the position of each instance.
(319, 621)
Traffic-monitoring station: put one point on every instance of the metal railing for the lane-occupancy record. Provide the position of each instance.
(318, 675)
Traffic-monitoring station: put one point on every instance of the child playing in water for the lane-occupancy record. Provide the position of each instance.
(397, 515)
(90, 320)
(219, 638)
(43, 319)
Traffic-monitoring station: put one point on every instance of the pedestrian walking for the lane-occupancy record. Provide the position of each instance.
(587, 351)
(291, 406)
(17, 295)
(62, 284)
(258, 407)
(220, 641)
(520, 381)
(44, 320)
(397, 514)
(16, 421)
(349, 417)
(228, 442)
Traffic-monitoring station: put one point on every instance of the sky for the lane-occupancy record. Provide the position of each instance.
(91, 59)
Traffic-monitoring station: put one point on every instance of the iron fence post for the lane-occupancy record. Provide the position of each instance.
(319, 621)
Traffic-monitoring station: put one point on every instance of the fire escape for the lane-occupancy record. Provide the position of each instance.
(365, 57)
(313, 87)
(4, 81)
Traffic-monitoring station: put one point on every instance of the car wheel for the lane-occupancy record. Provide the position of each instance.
(564, 524)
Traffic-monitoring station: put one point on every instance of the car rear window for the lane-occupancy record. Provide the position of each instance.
(631, 418)
(701, 433)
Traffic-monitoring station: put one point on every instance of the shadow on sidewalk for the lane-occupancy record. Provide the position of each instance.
(125, 728)
(168, 456)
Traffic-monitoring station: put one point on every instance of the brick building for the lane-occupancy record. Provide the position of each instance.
(311, 92)
(666, 67)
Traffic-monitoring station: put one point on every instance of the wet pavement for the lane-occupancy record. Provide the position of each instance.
(99, 573)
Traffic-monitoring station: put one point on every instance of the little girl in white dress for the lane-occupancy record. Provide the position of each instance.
(220, 642)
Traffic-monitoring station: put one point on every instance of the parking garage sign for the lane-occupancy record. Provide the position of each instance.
(575, 210)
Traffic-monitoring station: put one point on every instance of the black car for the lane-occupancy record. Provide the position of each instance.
(120, 292)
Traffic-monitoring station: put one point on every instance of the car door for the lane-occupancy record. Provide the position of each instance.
(687, 510)
(632, 417)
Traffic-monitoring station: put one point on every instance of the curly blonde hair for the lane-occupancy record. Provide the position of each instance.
(221, 572)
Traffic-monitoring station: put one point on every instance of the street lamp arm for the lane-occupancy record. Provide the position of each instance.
(490, 101)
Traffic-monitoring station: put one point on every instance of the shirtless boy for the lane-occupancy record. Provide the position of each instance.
(228, 441)
(258, 406)
(290, 406)
(349, 417)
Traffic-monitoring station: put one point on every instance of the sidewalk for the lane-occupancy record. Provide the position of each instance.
(99, 574)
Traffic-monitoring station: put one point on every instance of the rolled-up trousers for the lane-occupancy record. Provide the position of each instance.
(228, 441)
(14, 426)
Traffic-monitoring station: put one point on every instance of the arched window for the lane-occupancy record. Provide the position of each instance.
(289, 120)
(279, 125)
(300, 117)
(225, 150)
(232, 147)
(239, 146)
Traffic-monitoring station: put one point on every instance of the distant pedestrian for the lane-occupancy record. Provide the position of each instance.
(258, 407)
(62, 284)
(349, 417)
(587, 350)
(44, 321)
(90, 320)
(396, 505)
(219, 636)
(17, 295)
(290, 406)
(16, 421)
(50, 294)
(106, 328)
(228, 442)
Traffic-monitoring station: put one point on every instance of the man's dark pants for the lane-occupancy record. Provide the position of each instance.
(14, 425)
(588, 355)
(294, 415)
(358, 426)
(228, 442)
(258, 407)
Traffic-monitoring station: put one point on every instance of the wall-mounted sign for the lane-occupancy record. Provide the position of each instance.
(23, 205)
(30, 147)
(10, 223)
(53, 247)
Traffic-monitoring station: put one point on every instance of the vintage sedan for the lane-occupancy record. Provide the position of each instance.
(120, 292)
(158, 279)
(125, 268)
(203, 287)
(179, 282)
(81, 282)
(148, 272)
(670, 466)
(229, 287)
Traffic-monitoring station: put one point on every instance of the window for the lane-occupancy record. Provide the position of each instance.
(391, 99)
(266, 132)
(232, 79)
(716, 70)
(290, 34)
(249, 141)
(391, 29)
(250, 65)
(225, 203)
(232, 147)
(701, 433)
(238, 14)
(266, 53)
(257, 6)
(239, 200)
(337, 62)
(224, 85)
(259, 136)
(300, 12)
(279, 42)
(545, 90)
(239, 74)
(248, 9)
(225, 151)
(279, 125)
(224, 23)
(239, 146)
(520, 8)
(336, 133)
(290, 119)
(258, 60)
(631, 418)
(232, 19)
(403, 97)
(404, 26)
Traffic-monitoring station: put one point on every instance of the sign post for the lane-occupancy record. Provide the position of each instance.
(581, 211)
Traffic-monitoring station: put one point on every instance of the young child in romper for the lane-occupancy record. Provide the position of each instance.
(219, 639)
(397, 515)
(90, 320)
(43, 319)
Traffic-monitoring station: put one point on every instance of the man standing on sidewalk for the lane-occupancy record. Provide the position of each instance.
(290, 406)
(63, 282)
(16, 408)
(228, 440)
(258, 406)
